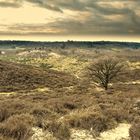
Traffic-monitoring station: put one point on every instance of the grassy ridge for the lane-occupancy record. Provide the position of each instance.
(23, 77)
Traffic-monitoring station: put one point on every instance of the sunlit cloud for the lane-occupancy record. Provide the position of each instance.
(73, 18)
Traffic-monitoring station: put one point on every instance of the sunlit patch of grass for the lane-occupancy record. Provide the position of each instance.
(115, 49)
(7, 93)
(42, 89)
(134, 65)
(68, 64)
(55, 61)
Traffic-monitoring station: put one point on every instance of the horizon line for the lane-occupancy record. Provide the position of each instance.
(70, 40)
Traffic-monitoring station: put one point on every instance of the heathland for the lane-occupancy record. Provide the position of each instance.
(48, 93)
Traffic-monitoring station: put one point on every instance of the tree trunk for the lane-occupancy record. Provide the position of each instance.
(106, 86)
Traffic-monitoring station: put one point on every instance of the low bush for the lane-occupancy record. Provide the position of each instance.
(134, 131)
(116, 114)
(4, 114)
(89, 119)
(17, 127)
(60, 130)
(41, 112)
(5, 138)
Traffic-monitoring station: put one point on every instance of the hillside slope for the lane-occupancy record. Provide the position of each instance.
(15, 76)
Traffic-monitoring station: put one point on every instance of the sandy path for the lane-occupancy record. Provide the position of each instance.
(119, 133)
(39, 134)
(131, 82)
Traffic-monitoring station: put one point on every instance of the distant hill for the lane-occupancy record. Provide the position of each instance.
(35, 44)
(15, 77)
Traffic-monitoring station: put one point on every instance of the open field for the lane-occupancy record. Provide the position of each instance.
(47, 94)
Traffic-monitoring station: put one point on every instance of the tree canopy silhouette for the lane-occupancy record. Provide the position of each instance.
(105, 70)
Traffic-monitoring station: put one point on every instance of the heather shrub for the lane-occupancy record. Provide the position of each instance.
(116, 114)
(59, 130)
(89, 119)
(134, 131)
(4, 114)
(17, 127)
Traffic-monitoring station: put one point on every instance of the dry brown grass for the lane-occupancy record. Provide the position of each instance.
(90, 118)
(17, 127)
(60, 130)
(15, 77)
(67, 103)
(97, 110)
(4, 114)
(135, 130)
(5, 138)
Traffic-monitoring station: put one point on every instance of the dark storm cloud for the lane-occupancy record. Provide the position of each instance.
(106, 17)
(45, 4)
(14, 4)
(79, 5)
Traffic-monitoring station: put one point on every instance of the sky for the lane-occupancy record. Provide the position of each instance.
(58, 20)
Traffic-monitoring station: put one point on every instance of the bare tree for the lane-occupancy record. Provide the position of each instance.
(105, 70)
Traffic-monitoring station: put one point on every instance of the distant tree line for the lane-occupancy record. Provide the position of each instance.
(69, 43)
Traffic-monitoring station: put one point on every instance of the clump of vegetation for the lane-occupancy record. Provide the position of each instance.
(17, 127)
(5, 138)
(59, 130)
(116, 114)
(134, 131)
(14, 77)
(47, 100)
(89, 119)
(45, 66)
(4, 114)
